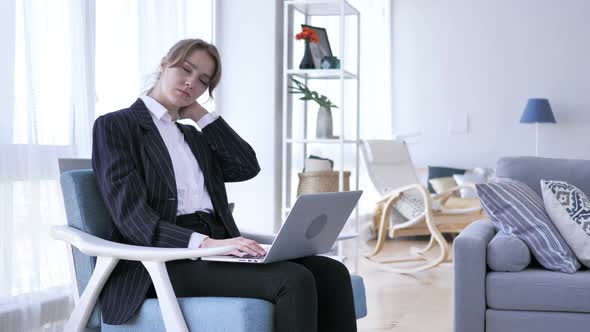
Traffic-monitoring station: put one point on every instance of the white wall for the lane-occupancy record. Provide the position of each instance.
(482, 60)
(249, 38)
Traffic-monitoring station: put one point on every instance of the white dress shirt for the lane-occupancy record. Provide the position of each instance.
(192, 195)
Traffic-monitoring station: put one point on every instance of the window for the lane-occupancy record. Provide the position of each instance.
(131, 39)
(42, 75)
(59, 53)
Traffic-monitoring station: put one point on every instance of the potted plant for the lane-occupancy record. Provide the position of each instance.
(324, 119)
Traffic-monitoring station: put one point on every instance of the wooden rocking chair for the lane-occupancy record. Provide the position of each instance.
(391, 170)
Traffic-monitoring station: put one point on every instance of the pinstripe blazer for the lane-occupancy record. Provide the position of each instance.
(134, 174)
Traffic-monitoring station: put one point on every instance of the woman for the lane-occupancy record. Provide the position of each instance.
(164, 185)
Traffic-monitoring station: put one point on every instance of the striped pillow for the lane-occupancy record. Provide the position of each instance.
(516, 209)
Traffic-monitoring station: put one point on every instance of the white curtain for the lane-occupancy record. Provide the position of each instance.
(46, 115)
(150, 28)
(55, 55)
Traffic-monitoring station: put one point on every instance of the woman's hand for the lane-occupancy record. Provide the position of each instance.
(243, 246)
(193, 111)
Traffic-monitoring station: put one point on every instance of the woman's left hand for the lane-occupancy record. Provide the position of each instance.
(193, 111)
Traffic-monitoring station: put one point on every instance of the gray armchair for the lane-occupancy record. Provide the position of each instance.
(533, 299)
(89, 222)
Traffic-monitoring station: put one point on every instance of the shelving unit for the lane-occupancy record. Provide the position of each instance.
(321, 74)
(296, 144)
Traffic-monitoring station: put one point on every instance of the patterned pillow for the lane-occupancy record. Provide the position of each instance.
(569, 208)
(516, 209)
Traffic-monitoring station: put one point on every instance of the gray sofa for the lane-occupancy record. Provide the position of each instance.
(533, 299)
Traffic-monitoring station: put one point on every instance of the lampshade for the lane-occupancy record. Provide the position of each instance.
(537, 110)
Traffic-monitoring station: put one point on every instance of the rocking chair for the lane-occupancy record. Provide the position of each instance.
(391, 170)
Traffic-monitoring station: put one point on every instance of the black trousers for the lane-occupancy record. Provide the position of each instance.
(309, 294)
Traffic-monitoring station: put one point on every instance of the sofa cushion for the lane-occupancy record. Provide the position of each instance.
(515, 209)
(469, 179)
(530, 170)
(435, 172)
(246, 315)
(441, 185)
(569, 208)
(359, 295)
(507, 253)
(535, 321)
(539, 290)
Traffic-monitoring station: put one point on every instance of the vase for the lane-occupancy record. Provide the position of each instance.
(323, 127)
(307, 61)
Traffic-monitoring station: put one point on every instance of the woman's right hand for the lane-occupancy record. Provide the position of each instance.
(243, 246)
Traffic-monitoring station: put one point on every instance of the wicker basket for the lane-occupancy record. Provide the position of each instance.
(322, 181)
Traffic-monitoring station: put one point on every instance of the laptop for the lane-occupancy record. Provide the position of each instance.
(311, 228)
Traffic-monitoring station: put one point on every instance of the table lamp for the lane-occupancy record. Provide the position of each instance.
(537, 111)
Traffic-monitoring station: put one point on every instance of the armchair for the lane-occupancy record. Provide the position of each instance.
(392, 172)
(88, 225)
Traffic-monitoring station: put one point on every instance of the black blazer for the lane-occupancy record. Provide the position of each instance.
(134, 174)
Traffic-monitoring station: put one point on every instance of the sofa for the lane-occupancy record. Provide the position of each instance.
(533, 299)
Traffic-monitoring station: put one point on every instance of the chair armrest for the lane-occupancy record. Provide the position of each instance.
(439, 201)
(444, 196)
(469, 256)
(396, 192)
(108, 255)
(444, 210)
(94, 246)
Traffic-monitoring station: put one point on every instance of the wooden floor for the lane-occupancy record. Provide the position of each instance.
(406, 303)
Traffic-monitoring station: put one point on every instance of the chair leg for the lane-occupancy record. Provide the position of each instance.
(427, 248)
(381, 235)
(79, 317)
(419, 254)
(429, 263)
(171, 314)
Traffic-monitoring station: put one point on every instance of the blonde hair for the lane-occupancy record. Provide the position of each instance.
(182, 49)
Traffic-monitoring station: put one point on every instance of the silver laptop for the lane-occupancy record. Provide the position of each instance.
(311, 228)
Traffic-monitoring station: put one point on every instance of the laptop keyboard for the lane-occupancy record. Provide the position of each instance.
(265, 246)
(252, 256)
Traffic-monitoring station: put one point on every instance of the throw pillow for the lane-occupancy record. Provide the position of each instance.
(469, 179)
(516, 209)
(569, 208)
(441, 185)
(435, 172)
(507, 253)
(488, 173)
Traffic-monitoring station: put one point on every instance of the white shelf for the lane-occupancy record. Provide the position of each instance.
(349, 112)
(322, 7)
(326, 74)
(321, 141)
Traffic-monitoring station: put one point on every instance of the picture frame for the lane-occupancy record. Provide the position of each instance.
(321, 49)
